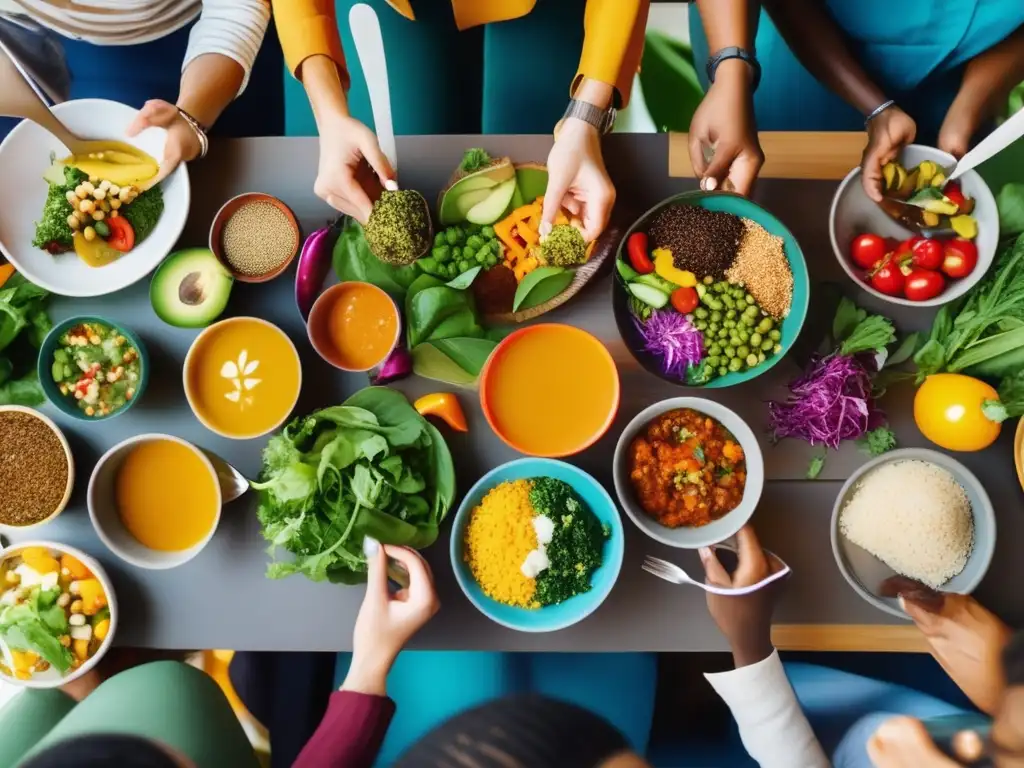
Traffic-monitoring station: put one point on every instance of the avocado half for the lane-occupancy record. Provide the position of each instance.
(190, 289)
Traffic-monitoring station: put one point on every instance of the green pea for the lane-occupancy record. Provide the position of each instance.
(701, 313)
(708, 280)
(492, 261)
(760, 357)
(735, 364)
(742, 350)
(751, 360)
(723, 333)
(722, 370)
(728, 301)
(441, 253)
(730, 324)
(742, 333)
(714, 350)
(755, 338)
(774, 335)
(751, 311)
(714, 304)
(439, 239)
(776, 349)
(730, 315)
(451, 236)
(456, 253)
(475, 242)
(713, 361)
(750, 299)
(716, 316)
(748, 321)
(487, 232)
(713, 326)
(451, 269)
(464, 265)
(737, 293)
(700, 325)
(765, 325)
(729, 352)
(767, 344)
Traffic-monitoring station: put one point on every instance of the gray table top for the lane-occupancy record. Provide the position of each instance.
(230, 604)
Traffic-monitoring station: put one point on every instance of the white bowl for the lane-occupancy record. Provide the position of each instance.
(718, 530)
(25, 155)
(105, 519)
(854, 213)
(51, 678)
(864, 572)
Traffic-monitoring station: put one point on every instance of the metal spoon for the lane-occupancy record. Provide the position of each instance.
(232, 482)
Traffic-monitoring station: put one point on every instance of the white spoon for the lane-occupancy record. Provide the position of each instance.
(369, 42)
(1002, 137)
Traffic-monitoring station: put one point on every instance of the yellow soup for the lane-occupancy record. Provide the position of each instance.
(362, 326)
(116, 162)
(242, 377)
(166, 495)
(550, 390)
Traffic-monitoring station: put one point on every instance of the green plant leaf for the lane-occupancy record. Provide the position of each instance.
(533, 282)
(668, 79)
(470, 354)
(431, 363)
(1010, 203)
(904, 351)
(463, 281)
(353, 261)
(428, 307)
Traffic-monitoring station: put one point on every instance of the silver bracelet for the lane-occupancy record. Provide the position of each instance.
(878, 110)
(200, 132)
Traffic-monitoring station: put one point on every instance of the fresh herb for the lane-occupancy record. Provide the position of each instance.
(577, 544)
(878, 441)
(674, 340)
(474, 159)
(24, 324)
(144, 212)
(369, 467)
(814, 468)
(52, 230)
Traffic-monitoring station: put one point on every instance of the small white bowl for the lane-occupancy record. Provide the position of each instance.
(67, 453)
(51, 678)
(25, 156)
(105, 519)
(688, 537)
(854, 213)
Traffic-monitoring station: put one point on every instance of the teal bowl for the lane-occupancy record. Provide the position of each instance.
(725, 202)
(575, 609)
(67, 405)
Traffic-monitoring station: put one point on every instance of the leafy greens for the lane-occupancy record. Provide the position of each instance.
(36, 625)
(24, 324)
(369, 467)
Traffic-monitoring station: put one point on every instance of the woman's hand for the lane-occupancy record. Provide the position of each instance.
(387, 620)
(903, 742)
(967, 640)
(352, 169)
(182, 143)
(745, 620)
(578, 180)
(888, 133)
(724, 122)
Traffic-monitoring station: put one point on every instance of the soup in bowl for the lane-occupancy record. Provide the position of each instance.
(242, 377)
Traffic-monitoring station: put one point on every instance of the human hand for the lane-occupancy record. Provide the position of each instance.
(966, 639)
(888, 133)
(578, 180)
(352, 169)
(745, 620)
(903, 742)
(182, 143)
(724, 122)
(962, 121)
(387, 620)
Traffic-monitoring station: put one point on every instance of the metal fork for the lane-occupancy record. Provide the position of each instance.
(673, 574)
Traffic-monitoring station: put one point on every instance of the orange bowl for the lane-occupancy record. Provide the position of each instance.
(550, 390)
(318, 326)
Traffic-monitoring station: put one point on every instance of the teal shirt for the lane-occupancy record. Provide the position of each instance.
(914, 49)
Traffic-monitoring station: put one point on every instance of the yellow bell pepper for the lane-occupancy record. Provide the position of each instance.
(81, 649)
(101, 629)
(76, 568)
(91, 593)
(666, 268)
(446, 406)
(40, 560)
(6, 270)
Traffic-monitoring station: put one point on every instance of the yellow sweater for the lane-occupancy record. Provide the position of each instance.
(612, 45)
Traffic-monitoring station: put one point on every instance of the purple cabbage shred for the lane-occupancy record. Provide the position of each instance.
(829, 403)
(673, 339)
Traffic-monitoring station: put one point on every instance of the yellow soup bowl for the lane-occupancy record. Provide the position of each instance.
(242, 377)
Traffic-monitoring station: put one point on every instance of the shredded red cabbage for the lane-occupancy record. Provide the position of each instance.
(830, 402)
(673, 339)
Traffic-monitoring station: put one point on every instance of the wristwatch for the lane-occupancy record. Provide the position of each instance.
(602, 119)
(734, 52)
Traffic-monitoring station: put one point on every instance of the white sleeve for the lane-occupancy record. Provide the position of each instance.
(773, 727)
(232, 28)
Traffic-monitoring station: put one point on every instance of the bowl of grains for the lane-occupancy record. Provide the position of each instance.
(37, 471)
(256, 236)
(912, 514)
(711, 290)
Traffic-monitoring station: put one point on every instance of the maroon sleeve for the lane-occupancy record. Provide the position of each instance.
(350, 734)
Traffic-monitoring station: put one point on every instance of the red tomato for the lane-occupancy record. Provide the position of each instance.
(907, 246)
(927, 254)
(924, 284)
(684, 300)
(636, 248)
(960, 258)
(867, 250)
(888, 279)
(122, 236)
(955, 194)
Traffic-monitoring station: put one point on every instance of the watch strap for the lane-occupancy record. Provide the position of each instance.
(602, 119)
(734, 52)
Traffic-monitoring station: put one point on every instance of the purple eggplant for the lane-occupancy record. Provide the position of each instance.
(314, 264)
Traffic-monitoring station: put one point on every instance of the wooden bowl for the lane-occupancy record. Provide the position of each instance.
(227, 211)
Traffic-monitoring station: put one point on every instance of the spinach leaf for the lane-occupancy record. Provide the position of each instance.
(430, 362)
(540, 285)
(23, 325)
(1010, 202)
(469, 354)
(427, 308)
(354, 261)
(463, 281)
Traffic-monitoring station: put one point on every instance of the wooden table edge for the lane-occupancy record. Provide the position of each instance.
(849, 637)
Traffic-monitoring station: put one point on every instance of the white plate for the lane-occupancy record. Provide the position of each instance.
(25, 156)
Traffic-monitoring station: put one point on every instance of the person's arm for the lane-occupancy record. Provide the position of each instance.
(351, 733)
(613, 42)
(309, 28)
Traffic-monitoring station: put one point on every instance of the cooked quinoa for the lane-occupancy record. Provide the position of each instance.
(499, 537)
(762, 268)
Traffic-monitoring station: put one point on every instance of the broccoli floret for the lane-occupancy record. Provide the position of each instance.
(144, 212)
(52, 230)
(564, 247)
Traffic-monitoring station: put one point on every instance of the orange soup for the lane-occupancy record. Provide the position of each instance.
(167, 496)
(362, 326)
(242, 377)
(550, 390)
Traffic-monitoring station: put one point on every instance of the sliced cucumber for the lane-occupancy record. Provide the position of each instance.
(657, 281)
(653, 297)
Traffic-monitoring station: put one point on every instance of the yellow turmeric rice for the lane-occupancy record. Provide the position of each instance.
(498, 538)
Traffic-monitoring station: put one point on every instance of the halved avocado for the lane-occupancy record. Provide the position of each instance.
(451, 208)
(190, 289)
(493, 207)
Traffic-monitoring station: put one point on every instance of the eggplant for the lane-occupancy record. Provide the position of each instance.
(314, 264)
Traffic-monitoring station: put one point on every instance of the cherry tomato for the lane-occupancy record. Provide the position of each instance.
(924, 284)
(955, 194)
(122, 236)
(684, 300)
(959, 258)
(867, 250)
(636, 248)
(907, 246)
(888, 278)
(927, 254)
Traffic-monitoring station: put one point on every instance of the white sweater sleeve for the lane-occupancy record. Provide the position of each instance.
(773, 727)
(232, 28)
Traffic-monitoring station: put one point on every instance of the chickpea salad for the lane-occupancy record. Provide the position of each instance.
(94, 217)
(97, 367)
(54, 613)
